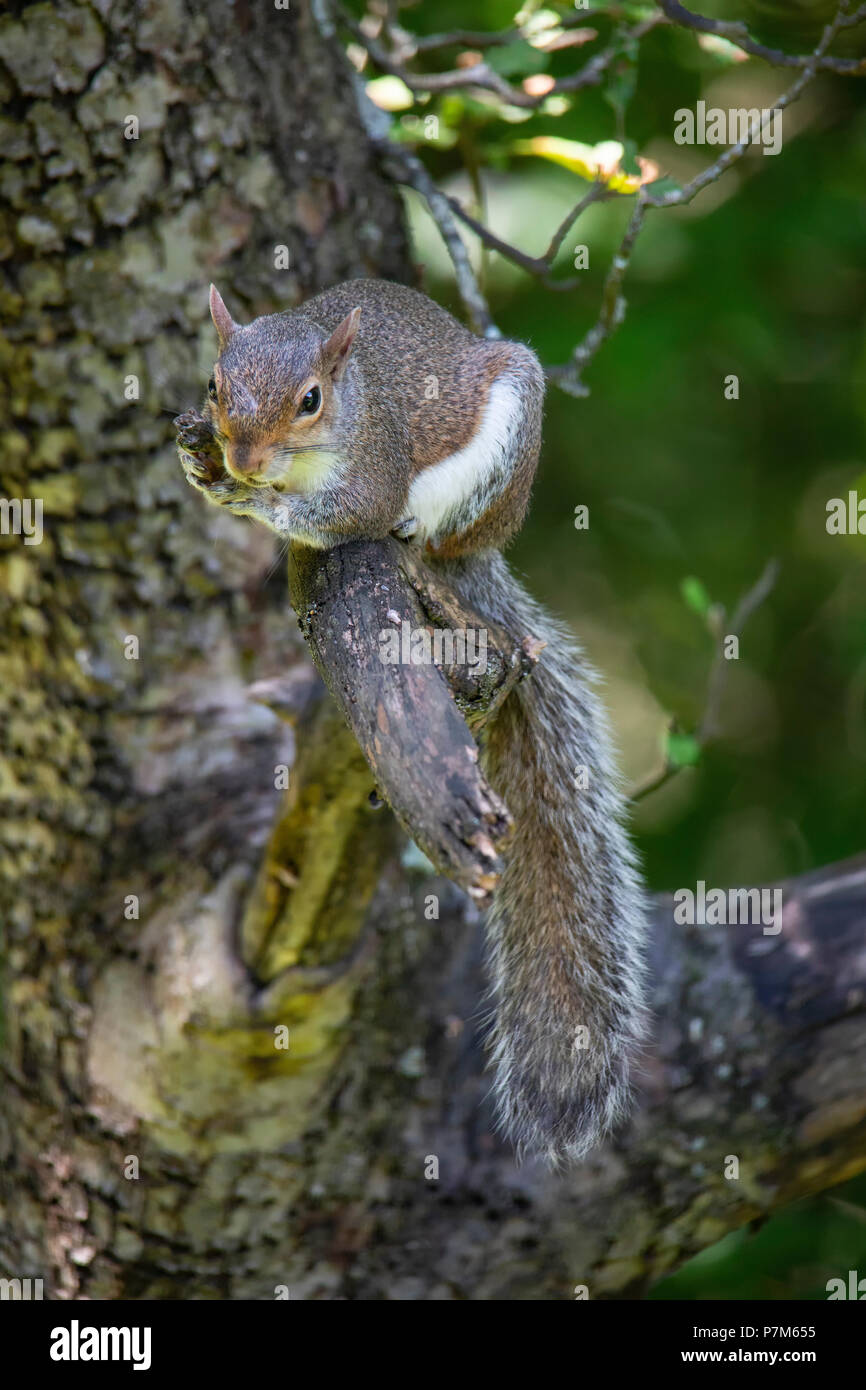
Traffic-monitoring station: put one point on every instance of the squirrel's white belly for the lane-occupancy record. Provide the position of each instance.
(467, 482)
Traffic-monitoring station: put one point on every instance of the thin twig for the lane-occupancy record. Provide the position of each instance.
(677, 197)
(539, 266)
(737, 33)
(532, 264)
(598, 193)
(484, 78)
(408, 169)
(409, 45)
(445, 209)
(708, 725)
(613, 308)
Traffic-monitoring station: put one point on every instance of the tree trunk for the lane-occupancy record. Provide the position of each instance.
(137, 776)
(171, 917)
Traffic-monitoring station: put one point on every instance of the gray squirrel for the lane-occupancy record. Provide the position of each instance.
(371, 411)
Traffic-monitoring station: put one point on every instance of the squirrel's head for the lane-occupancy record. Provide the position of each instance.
(274, 396)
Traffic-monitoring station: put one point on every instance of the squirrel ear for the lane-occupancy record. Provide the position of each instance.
(222, 319)
(339, 345)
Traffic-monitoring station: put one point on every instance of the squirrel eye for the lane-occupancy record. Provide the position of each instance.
(211, 389)
(311, 402)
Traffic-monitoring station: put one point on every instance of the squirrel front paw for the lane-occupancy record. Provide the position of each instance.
(202, 462)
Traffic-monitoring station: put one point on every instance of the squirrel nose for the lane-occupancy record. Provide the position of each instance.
(244, 458)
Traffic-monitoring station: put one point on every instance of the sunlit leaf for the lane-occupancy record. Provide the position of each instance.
(555, 40)
(540, 21)
(721, 48)
(591, 162)
(390, 94)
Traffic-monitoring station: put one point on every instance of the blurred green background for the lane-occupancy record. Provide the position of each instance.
(763, 276)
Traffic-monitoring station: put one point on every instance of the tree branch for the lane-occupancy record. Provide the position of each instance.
(737, 33)
(481, 77)
(613, 307)
(351, 602)
(408, 169)
(758, 1051)
(540, 266)
(408, 45)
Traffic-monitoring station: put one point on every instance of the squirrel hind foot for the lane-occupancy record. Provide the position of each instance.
(406, 530)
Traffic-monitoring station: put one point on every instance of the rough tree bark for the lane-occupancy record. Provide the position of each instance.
(150, 778)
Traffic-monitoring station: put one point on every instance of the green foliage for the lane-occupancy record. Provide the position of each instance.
(696, 597)
(683, 750)
(620, 86)
(516, 59)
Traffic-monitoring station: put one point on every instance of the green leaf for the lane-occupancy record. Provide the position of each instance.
(629, 157)
(451, 108)
(664, 185)
(619, 88)
(516, 59)
(683, 750)
(695, 596)
(416, 129)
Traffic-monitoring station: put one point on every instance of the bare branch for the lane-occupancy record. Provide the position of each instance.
(533, 265)
(539, 266)
(444, 209)
(407, 168)
(613, 307)
(408, 45)
(598, 193)
(408, 716)
(482, 77)
(677, 197)
(737, 33)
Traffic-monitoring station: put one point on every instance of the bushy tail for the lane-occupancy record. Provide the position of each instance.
(567, 927)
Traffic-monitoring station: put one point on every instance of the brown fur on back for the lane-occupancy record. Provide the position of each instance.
(408, 348)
